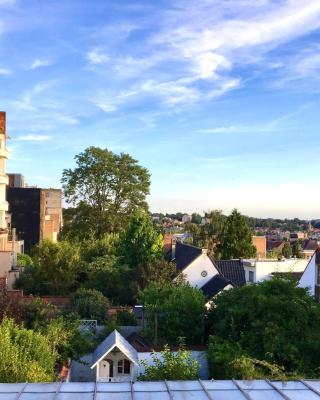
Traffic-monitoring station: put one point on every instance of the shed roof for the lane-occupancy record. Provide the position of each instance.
(164, 390)
(114, 340)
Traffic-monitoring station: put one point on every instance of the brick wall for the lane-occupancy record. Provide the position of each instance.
(2, 122)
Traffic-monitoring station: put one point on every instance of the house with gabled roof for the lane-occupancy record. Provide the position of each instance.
(205, 273)
(115, 359)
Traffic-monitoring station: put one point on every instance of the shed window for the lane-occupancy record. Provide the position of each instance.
(123, 366)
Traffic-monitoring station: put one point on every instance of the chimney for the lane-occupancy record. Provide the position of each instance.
(2, 123)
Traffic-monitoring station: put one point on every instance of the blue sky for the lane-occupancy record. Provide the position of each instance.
(219, 99)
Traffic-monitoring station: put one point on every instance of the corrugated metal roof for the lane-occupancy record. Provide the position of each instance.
(164, 390)
(114, 340)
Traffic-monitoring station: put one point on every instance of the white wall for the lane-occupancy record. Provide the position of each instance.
(308, 279)
(193, 271)
(263, 269)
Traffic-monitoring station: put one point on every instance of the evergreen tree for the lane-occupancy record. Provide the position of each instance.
(140, 242)
(235, 240)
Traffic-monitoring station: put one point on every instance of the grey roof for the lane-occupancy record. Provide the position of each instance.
(214, 286)
(115, 339)
(164, 390)
(231, 270)
(185, 254)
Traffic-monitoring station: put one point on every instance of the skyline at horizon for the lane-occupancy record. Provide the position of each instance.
(219, 99)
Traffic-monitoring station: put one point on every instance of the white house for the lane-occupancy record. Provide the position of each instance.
(205, 273)
(311, 276)
(260, 270)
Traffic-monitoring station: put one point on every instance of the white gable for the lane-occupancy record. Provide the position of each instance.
(200, 271)
(308, 279)
(114, 340)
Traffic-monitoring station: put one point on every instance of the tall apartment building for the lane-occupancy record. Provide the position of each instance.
(36, 213)
(9, 246)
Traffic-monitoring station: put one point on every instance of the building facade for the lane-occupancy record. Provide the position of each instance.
(36, 213)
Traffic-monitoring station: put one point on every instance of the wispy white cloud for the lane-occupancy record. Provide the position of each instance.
(34, 138)
(5, 71)
(195, 49)
(97, 57)
(38, 63)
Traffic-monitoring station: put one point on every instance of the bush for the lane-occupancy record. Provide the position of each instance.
(25, 355)
(170, 365)
(90, 304)
(126, 318)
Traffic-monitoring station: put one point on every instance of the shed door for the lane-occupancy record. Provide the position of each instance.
(106, 369)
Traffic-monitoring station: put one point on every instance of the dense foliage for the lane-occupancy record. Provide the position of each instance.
(25, 355)
(105, 188)
(171, 366)
(53, 269)
(140, 242)
(90, 304)
(172, 309)
(272, 326)
(235, 239)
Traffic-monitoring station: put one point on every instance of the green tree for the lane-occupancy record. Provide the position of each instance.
(170, 366)
(196, 218)
(286, 250)
(54, 269)
(25, 355)
(112, 278)
(159, 271)
(90, 304)
(297, 248)
(171, 310)
(24, 260)
(273, 321)
(235, 240)
(106, 188)
(140, 242)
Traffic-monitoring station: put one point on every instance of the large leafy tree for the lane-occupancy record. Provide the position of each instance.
(235, 239)
(141, 243)
(105, 188)
(271, 326)
(174, 311)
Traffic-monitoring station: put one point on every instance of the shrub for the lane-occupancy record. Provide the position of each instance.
(90, 304)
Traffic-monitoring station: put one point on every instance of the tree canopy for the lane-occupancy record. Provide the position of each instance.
(235, 239)
(105, 188)
(141, 243)
(273, 326)
(171, 310)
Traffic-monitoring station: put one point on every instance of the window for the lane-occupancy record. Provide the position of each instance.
(123, 367)
(251, 276)
(204, 274)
